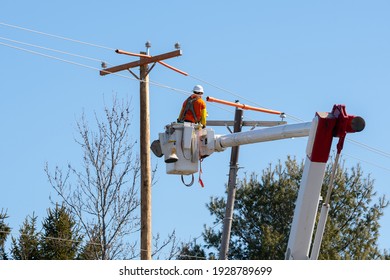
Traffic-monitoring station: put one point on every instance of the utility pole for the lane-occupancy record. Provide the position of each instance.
(146, 177)
(146, 181)
(227, 222)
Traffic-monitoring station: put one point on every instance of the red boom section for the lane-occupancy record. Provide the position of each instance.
(335, 124)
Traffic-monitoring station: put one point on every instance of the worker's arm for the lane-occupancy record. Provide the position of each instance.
(203, 115)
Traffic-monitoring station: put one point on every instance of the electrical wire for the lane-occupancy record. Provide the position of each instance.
(50, 49)
(372, 149)
(56, 36)
(194, 240)
(112, 49)
(367, 147)
(57, 58)
(368, 162)
(73, 241)
(51, 238)
(184, 92)
(100, 60)
(90, 67)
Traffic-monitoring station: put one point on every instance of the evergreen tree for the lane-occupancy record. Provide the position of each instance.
(191, 251)
(4, 232)
(264, 211)
(92, 250)
(352, 229)
(26, 247)
(60, 239)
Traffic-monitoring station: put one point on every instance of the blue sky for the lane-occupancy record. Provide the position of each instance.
(298, 57)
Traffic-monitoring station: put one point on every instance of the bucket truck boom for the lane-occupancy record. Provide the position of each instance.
(184, 144)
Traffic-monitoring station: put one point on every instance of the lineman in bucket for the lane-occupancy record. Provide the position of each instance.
(194, 108)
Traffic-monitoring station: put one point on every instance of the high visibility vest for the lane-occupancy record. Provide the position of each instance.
(189, 107)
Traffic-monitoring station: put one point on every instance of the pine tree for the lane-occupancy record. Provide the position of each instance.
(26, 247)
(264, 209)
(353, 222)
(92, 250)
(191, 251)
(60, 239)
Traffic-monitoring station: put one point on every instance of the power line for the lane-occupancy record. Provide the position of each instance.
(50, 49)
(51, 238)
(55, 58)
(185, 92)
(372, 149)
(368, 162)
(108, 48)
(367, 147)
(40, 235)
(56, 36)
(89, 67)
(112, 49)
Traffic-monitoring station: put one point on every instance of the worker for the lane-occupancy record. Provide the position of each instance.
(194, 108)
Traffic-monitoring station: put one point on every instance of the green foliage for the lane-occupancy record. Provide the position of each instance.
(352, 229)
(4, 232)
(264, 210)
(92, 250)
(191, 251)
(60, 238)
(26, 247)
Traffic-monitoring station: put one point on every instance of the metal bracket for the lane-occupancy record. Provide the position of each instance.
(150, 69)
(253, 127)
(228, 128)
(132, 73)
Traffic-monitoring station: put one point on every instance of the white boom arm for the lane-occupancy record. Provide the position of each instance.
(307, 202)
(262, 135)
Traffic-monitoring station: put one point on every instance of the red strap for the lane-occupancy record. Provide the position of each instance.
(200, 173)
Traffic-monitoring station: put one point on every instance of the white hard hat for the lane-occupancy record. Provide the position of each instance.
(198, 89)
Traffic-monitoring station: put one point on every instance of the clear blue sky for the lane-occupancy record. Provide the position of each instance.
(294, 56)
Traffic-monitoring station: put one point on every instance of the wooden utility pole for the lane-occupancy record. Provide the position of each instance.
(146, 180)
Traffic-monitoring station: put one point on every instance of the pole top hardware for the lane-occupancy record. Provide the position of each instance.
(145, 58)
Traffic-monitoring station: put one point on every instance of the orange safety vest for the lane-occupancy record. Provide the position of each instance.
(193, 110)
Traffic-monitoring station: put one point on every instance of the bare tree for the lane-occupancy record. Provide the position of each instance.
(104, 194)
